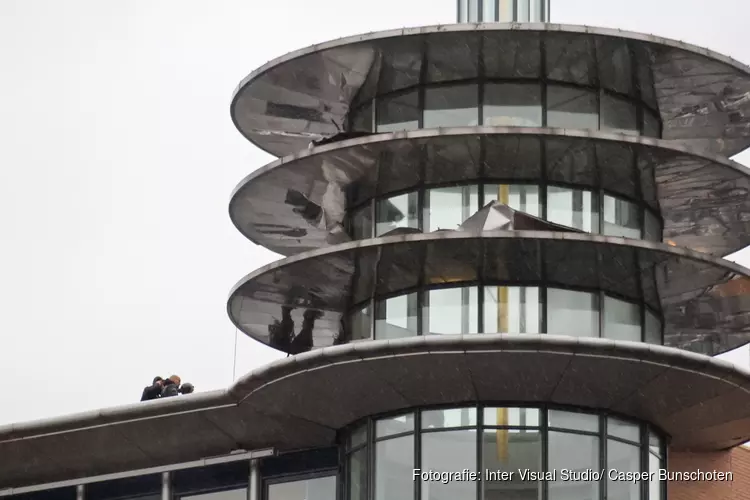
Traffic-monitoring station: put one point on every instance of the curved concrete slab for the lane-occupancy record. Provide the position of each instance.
(703, 198)
(703, 97)
(289, 405)
(319, 287)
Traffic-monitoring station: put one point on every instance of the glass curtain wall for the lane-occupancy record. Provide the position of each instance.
(522, 11)
(496, 440)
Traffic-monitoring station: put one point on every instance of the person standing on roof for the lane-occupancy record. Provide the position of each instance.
(171, 387)
(154, 390)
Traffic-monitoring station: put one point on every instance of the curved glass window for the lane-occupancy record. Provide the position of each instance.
(446, 208)
(479, 453)
(506, 309)
(506, 103)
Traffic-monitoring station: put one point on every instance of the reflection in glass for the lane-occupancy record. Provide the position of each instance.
(572, 313)
(511, 450)
(473, 11)
(396, 317)
(451, 311)
(571, 108)
(576, 453)
(398, 113)
(623, 458)
(573, 208)
(362, 224)
(361, 324)
(394, 425)
(621, 218)
(238, 494)
(512, 105)
(523, 197)
(455, 106)
(395, 212)
(357, 483)
(505, 11)
(511, 310)
(651, 127)
(654, 485)
(463, 10)
(623, 429)
(622, 320)
(488, 10)
(448, 208)
(651, 227)
(652, 333)
(319, 488)
(453, 417)
(618, 115)
(394, 463)
(573, 420)
(523, 11)
(449, 451)
(357, 437)
(515, 417)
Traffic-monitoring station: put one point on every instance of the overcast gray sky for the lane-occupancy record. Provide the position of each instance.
(117, 158)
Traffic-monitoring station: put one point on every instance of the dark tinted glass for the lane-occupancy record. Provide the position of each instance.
(215, 477)
(357, 475)
(400, 112)
(451, 106)
(569, 107)
(142, 487)
(300, 463)
(56, 494)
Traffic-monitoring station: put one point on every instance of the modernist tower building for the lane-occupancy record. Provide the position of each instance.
(503, 247)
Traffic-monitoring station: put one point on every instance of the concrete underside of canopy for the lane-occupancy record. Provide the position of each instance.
(300, 402)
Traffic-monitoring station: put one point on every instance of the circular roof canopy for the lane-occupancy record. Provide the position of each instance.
(703, 198)
(702, 307)
(703, 97)
(702, 403)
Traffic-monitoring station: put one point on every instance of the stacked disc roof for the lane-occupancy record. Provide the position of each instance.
(647, 124)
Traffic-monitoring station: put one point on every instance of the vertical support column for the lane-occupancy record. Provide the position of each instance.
(80, 492)
(253, 489)
(166, 486)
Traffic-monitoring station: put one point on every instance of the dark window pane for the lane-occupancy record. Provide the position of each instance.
(575, 453)
(362, 224)
(394, 466)
(572, 313)
(512, 105)
(215, 477)
(363, 119)
(451, 106)
(571, 108)
(573, 420)
(394, 425)
(618, 115)
(56, 494)
(361, 324)
(449, 452)
(357, 436)
(653, 329)
(652, 227)
(396, 317)
(400, 112)
(650, 124)
(623, 458)
(510, 450)
(141, 487)
(300, 462)
(319, 488)
(357, 480)
(454, 417)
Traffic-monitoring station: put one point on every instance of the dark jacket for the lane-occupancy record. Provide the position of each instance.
(170, 389)
(151, 392)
